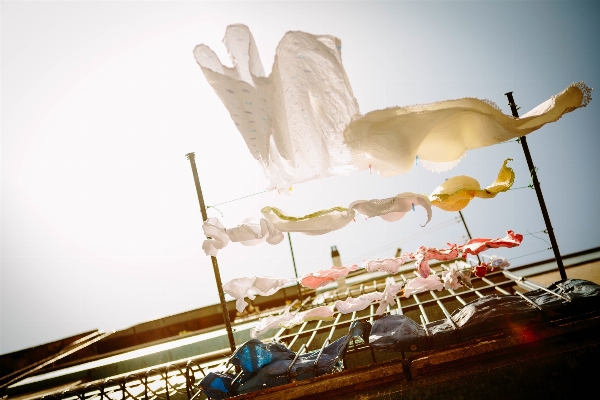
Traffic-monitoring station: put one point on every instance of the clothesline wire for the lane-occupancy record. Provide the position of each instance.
(434, 228)
(239, 198)
(535, 252)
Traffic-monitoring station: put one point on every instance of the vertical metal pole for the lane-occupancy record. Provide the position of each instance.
(468, 233)
(295, 271)
(538, 191)
(192, 158)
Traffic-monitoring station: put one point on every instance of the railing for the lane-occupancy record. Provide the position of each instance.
(180, 380)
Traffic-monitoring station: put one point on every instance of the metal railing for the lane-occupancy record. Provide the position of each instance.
(180, 380)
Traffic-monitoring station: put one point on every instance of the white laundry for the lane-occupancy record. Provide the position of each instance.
(270, 322)
(359, 303)
(303, 122)
(292, 121)
(420, 284)
(249, 233)
(389, 296)
(389, 265)
(241, 288)
(323, 313)
(218, 236)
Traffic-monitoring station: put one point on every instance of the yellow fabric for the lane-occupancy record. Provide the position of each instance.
(281, 215)
(457, 192)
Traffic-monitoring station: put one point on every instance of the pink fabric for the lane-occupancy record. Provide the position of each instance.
(424, 254)
(359, 303)
(389, 265)
(420, 284)
(318, 279)
(476, 246)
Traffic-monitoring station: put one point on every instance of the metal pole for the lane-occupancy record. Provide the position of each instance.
(538, 191)
(295, 271)
(468, 233)
(192, 158)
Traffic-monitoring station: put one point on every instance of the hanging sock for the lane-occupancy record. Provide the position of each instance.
(456, 193)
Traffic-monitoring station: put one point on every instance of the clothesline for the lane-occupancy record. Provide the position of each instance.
(425, 232)
(535, 252)
(239, 198)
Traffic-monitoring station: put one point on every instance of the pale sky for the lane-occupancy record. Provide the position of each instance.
(100, 102)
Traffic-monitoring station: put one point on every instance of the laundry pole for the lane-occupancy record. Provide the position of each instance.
(538, 191)
(192, 158)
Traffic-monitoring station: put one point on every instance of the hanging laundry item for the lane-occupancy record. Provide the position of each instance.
(389, 265)
(270, 322)
(315, 280)
(391, 209)
(389, 140)
(241, 288)
(389, 296)
(249, 233)
(303, 122)
(323, 313)
(476, 246)
(497, 262)
(457, 192)
(424, 254)
(420, 284)
(359, 303)
(293, 120)
(455, 278)
(306, 366)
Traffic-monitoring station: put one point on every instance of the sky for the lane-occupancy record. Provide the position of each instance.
(100, 102)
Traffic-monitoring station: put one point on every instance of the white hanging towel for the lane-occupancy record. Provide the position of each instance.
(292, 121)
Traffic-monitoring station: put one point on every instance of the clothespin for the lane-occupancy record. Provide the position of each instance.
(413, 206)
(370, 169)
(417, 160)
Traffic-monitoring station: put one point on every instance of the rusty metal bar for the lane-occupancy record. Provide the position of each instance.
(538, 190)
(297, 334)
(325, 343)
(192, 158)
(289, 368)
(446, 313)
(312, 335)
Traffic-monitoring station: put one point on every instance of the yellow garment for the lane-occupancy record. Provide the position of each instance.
(457, 192)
